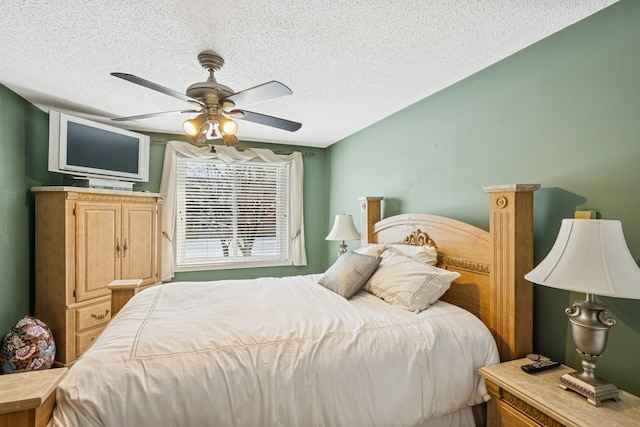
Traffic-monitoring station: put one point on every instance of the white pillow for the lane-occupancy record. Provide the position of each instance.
(405, 282)
(422, 253)
(371, 249)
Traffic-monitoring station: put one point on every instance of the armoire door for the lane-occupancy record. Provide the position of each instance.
(139, 232)
(99, 248)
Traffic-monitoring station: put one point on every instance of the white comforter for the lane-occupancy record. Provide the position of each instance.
(275, 352)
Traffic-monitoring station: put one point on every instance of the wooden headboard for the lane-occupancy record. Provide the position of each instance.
(492, 264)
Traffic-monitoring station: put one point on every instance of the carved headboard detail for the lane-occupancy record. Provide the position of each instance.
(419, 238)
(462, 264)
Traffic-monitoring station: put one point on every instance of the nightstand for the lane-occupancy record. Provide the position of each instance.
(521, 399)
(27, 398)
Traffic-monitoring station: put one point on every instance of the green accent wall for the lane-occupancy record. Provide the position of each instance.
(564, 113)
(24, 139)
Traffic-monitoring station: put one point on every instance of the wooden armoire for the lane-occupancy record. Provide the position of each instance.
(84, 239)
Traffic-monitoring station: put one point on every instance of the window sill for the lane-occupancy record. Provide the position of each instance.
(230, 266)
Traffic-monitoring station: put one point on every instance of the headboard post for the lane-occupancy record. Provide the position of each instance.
(511, 235)
(370, 213)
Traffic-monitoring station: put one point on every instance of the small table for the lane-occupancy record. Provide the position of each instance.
(521, 399)
(27, 398)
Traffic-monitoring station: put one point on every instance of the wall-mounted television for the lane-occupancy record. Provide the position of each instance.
(84, 148)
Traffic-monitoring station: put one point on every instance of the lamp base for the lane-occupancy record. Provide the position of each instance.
(343, 249)
(595, 393)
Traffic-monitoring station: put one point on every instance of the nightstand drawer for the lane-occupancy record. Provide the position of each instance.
(512, 417)
(93, 315)
(84, 340)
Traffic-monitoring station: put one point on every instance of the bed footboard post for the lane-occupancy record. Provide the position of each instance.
(370, 213)
(511, 231)
(121, 292)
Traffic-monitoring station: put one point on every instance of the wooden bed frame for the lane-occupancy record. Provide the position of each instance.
(492, 265)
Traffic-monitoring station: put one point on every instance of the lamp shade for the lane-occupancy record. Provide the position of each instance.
(343, 229)
(590, 256)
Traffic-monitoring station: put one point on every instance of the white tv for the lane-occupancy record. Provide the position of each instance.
(84, 148)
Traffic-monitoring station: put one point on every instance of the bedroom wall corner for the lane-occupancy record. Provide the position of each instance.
(23, 164)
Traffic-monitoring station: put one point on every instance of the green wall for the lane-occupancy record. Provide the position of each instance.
(24, 137)
(564, 113)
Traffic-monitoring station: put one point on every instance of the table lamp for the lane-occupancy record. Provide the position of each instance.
(590, 256)
(343, 229)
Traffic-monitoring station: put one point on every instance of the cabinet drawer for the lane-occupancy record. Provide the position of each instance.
(84, 340)
(93, 315)
(510, 416)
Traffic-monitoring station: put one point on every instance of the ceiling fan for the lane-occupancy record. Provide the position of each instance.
(217, 104)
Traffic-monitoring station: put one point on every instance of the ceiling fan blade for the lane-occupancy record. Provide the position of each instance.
(146, 83)
(147, 116)
(260, 93)
(265, 120)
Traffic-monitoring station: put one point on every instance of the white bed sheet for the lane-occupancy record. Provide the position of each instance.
(275, 352)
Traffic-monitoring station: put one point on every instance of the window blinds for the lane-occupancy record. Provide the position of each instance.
(231, 213)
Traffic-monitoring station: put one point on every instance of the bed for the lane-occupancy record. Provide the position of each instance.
(290, 352)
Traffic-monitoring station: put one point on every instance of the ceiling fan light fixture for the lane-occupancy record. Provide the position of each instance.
(200, 138)
(192, 126)
(212, 130)
(227, 126)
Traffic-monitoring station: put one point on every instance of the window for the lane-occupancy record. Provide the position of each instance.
(231, 215)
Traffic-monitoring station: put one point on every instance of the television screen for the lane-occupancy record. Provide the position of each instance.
(91, 147)
(84, 148)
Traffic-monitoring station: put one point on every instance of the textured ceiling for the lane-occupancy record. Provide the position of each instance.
(349, 63)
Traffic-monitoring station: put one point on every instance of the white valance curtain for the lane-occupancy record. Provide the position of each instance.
(228, 155)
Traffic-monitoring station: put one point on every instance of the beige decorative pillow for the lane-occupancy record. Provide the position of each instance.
(349, 273)
(372, 249)
(408, 283)
(422, 253)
